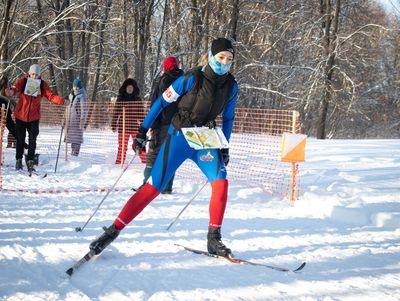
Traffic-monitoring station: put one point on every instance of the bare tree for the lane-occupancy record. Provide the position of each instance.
(142, 17)
(100, 47)
(8, 9)
(330, 13)
(335, 62)
(234, 20)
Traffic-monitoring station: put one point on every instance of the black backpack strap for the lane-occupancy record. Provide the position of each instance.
(198, 78)
(41, 86)
(24, 85)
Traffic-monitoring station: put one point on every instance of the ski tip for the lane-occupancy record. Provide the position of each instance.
(70, 271)
(300, 267)
(45, 175)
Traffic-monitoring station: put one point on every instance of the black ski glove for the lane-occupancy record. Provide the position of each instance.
(140, 141)
(225, 155)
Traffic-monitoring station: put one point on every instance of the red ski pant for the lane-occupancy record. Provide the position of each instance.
(174, 151)
(147, 193)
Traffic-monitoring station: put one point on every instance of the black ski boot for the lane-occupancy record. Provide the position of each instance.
(104, 240)
(30, 164)
(18, 164)
(215, 245)
(36, 159)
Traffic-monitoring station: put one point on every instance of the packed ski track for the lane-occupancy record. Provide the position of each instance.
(345, 226)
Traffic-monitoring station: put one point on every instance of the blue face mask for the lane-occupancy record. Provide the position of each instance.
(216, 66)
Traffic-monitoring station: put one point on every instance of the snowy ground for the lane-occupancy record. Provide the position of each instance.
(345, 226)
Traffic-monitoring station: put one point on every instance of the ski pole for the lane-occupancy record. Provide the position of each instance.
(58, 152)
(80, 229)
(188, 203)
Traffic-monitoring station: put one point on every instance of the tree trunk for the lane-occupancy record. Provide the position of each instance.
(4, 39)
(142, 31)
(159, 42)
(100, 49)
(46, 44)
(196, 32)
(234, 19)
(86, 37)
(70, 47)
(125, 67)
(330, 39)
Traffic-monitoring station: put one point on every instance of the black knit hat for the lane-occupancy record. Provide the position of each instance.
(221, 44)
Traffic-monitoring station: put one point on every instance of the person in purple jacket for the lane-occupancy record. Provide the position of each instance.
(204, 92)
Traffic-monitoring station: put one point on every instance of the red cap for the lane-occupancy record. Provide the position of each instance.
(169, 63)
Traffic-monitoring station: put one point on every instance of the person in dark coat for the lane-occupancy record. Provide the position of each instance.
(159, 128)
(77, 116)
(128, 101)
(205, 93)
(10, 124)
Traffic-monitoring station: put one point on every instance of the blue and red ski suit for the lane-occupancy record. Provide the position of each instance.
(175, 149)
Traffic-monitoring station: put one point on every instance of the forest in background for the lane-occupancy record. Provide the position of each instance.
(336, 62)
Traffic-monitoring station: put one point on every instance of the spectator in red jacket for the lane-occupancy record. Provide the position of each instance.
(30, 89)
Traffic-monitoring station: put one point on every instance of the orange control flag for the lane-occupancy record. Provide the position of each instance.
(293, 147)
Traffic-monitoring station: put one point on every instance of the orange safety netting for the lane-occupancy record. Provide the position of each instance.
(255, 145)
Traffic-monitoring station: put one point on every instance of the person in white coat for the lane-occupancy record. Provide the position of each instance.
(77, 116)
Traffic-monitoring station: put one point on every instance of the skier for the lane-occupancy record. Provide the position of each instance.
(159, 128)
(205, 93)
(30, 88)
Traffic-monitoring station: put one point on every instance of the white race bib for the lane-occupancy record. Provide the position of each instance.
(170, 95)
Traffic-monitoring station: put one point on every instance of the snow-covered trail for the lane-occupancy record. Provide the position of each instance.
(345, 225)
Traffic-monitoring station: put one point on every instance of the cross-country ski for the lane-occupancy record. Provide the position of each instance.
(80, 263)
(244, 261)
